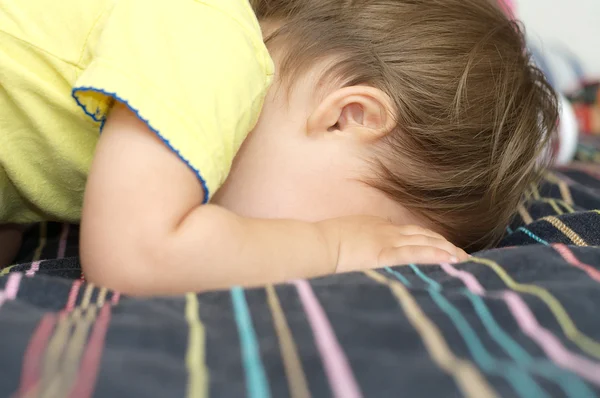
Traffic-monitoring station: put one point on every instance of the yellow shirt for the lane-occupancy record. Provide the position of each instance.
(196, 71)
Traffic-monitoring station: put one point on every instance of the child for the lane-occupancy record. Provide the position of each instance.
(382, 115)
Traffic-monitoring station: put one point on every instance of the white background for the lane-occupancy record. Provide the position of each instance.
(574, 24)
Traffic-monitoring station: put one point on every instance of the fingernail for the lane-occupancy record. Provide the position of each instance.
(453, 260)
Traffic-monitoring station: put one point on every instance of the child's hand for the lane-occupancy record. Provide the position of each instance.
(369, 242)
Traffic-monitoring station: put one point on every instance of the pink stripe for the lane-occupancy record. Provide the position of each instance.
(528, 323)
(12, 285)
(73, 296)
(62, 245)
(35, 267)
(571, 259)
(468, 279)
(551, 345)
(115, 298)
(11, 288)
(341, 379)
(30, 372)
(90, 363)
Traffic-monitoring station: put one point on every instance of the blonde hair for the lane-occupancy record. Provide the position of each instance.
(474, 116)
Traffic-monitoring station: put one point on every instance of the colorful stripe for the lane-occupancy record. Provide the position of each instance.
(522, 382)
(73, 294)
(90, 363)
(62, 244)
(398, 276)
(337, 368)
(11, 288)
(256, 379)
(42, 241)
(566, 205)
(467, 377)
(571, 384)
(570, 258)
(6, 270)
(31, 370)
(195, 358)
(535, 192)
(63, 350)
(528, 323)
(77, 345)
(584, 342)
(565, 193)
(555, 207)
(533, 236)
(524, 214)
(33, 269)
(297, 384)
(568, 232)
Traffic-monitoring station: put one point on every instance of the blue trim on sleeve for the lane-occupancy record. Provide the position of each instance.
(97, 117)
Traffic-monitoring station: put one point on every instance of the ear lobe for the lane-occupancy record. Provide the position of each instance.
(357, 112)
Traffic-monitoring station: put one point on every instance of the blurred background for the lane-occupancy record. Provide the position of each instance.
(564, 37)
(561, 26)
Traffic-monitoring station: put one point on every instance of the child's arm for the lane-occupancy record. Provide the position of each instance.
(144, 230)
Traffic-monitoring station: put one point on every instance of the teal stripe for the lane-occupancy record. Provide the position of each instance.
(509, 230)
(432, 284)
(572, 385)
(257, 385)
(522, 382)
(533, 236)
(399, 276)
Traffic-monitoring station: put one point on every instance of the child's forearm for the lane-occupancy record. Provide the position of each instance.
(213, 248)
(216, 248)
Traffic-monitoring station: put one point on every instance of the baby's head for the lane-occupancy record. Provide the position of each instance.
(421, 111)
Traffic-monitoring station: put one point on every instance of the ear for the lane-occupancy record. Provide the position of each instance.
(357, 112)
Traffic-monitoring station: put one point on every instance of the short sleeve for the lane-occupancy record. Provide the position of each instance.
(194, 72)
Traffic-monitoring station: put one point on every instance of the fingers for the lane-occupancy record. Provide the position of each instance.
(422, 240)
(412, 230)
(416, 230)
(414, 255)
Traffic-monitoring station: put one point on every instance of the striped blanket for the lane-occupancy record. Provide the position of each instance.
(518, 321)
